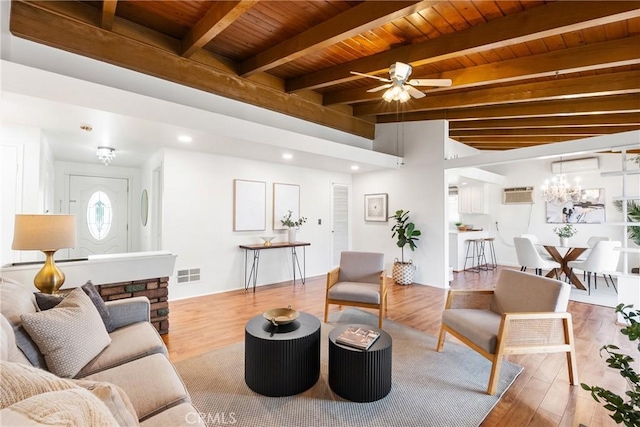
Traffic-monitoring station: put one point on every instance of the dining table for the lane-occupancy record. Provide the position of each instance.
(571, 253)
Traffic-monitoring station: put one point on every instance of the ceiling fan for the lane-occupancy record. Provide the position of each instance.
(398, 87)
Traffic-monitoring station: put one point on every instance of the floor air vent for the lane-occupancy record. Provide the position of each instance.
(517, 195)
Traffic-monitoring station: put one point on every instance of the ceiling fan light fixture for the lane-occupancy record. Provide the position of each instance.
(396, 93)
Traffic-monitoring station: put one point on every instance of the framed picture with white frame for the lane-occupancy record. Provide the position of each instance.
(375, 207)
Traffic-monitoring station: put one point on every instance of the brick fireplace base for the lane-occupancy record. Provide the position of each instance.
(157, 290)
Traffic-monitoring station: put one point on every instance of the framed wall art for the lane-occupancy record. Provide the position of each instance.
(375, 207)
(286, 197)
(249, 205)
(590, 209)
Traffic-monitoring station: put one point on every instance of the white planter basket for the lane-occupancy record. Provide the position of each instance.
(403, 273)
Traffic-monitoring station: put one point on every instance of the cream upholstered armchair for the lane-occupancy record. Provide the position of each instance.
(524, 314)
(360, 280)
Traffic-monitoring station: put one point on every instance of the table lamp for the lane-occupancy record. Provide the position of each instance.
(46, 233)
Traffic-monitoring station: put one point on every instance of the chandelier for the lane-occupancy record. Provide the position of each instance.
(106, 154)
(560, 191)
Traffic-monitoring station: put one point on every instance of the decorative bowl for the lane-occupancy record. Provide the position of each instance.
(281, 316)
(267, 239)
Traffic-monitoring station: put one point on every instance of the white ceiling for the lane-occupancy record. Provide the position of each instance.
(138, 126)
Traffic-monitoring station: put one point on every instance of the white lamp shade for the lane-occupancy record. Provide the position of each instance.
(44, 232)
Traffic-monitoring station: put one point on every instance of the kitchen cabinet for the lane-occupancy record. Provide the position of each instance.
(472, 199)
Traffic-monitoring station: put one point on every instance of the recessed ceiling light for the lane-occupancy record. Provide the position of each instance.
(355, 167)
(287, 156)
(185, 138)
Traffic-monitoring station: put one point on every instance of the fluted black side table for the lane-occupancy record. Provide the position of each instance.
(282, 360)
(360, 375)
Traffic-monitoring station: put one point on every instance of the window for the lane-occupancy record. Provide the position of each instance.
(99, 214)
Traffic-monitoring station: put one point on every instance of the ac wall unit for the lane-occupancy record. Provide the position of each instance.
(577, 165)
(517, 195)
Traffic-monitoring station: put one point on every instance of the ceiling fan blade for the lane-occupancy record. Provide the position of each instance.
(382, 79)
(431, 82)
(414, 92)
(379, 88)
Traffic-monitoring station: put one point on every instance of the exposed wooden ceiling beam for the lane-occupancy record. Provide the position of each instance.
(614, 53)
(601, 84)
(220, 15)
(535, 23)
(108, 13)
(79, 35)
(357, 20)
(510, 145)
(610, 120)
(566, 107)
(521, 140)
(573, 131)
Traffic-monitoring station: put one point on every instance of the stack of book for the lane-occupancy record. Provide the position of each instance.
(358, 337)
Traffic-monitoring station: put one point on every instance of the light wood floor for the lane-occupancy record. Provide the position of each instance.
(541, 395)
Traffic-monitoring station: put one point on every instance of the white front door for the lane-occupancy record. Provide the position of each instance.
(101, 207)
(339, 222)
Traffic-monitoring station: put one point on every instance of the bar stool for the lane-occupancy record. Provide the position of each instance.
(476, 247)
(492, 253)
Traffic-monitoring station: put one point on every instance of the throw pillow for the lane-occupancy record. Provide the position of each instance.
(69, 335)
(74, 407)
(114, 398)
(28, 347)
(47, 302)
(97, 300)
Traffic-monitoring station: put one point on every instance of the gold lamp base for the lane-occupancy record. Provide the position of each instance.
(49, 279)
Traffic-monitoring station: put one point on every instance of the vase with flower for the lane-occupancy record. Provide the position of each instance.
(292, 225)
(564, 233)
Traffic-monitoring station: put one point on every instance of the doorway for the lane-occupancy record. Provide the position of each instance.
(339, 221)
(101, 207)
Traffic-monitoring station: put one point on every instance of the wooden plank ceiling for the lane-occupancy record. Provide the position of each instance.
(524, 72)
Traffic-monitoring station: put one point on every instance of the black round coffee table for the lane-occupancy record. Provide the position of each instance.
(360, 375)
(282, 360)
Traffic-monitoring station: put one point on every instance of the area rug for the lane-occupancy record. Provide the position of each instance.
(428, 388)
(604, 295)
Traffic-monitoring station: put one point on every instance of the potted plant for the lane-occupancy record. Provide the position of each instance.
(627, 412)
(292, 225)
(564, 232)
(407, 234)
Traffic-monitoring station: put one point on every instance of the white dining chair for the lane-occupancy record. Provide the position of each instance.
(591, 242)
(542, 251)
(528, 257)
(603, 259)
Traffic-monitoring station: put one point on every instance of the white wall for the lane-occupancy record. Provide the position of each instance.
(146, 183)
(514, 220)
(33, 186)
(418, 186)
(198, 220)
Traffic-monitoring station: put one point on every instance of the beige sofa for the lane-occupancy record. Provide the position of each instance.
(135, 360)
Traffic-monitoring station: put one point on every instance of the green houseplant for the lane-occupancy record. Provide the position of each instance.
(623, 411)
(564, 232)
(633, 215)
(292, 225)
(406, 234)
